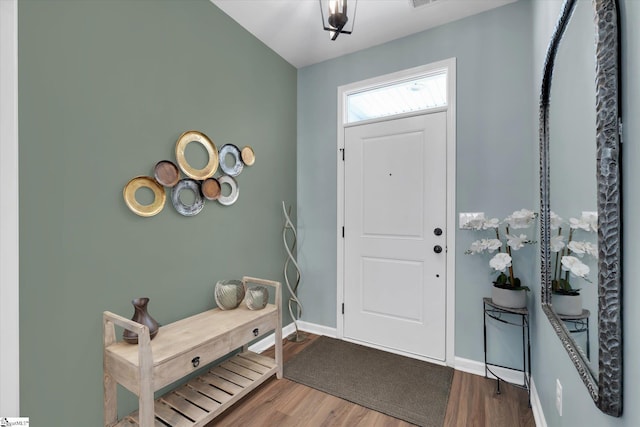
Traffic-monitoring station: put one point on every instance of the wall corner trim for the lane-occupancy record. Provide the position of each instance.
(9, 218)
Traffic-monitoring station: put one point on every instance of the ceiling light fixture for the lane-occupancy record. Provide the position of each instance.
(336, 21)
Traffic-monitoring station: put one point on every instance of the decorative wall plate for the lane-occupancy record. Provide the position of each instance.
(236, 168)
(233, 196)
(166, 173)
(129, 194)
(210, 188)
(209, 146)
(182, 208)
(248, 156)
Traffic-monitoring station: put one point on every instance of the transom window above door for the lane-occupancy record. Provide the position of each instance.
(402, 97)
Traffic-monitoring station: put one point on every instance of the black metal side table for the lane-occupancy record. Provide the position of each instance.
(504, 315)
(577, 324)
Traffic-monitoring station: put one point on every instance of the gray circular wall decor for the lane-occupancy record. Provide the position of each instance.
(235, 191)
(230, 149)
(183, 208)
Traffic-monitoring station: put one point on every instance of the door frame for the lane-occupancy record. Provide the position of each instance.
(343, 91)
(9, 219)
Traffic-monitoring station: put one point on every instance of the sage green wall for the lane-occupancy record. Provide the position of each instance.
(550, 361)
(496, 155)
(106, 88)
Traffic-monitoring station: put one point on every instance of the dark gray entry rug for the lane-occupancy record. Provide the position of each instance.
(404, 388)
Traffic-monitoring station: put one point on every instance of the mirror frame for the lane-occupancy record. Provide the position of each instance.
(607, 390)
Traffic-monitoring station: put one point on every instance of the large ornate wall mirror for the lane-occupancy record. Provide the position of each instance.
(580, 192)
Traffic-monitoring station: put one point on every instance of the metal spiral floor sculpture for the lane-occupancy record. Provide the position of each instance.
(295, 306)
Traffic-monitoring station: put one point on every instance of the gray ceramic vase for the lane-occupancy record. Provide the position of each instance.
(229, 294)
(257, 298)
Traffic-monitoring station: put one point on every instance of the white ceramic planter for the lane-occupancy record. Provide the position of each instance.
(568, 305)
(508, 298)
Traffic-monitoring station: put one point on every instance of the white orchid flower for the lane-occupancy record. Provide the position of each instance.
(500, 261)
(580, 248)
(521, 219)
(476, 247)
(491, 245)
(591, 249)
(555, 220)
(577, 247)
(557, 243)
(574, 266)
(579, 224)
(590, 218)
(517, 242)
(491, 223)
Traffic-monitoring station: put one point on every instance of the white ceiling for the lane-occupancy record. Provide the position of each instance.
(293, 28)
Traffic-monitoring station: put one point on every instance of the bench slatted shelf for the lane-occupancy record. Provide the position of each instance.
(181, 348)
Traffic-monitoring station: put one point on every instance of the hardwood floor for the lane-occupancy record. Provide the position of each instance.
(283, 403)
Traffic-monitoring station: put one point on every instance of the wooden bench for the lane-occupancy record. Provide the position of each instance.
(181, 348)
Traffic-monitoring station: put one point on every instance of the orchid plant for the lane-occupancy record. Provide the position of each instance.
(505, 241)
(568, 262)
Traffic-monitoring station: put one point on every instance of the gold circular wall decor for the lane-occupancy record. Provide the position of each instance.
(248, 156)
(159, 196)
(209, 146)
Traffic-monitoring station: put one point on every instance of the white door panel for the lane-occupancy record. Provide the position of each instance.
(395, 196)
(392, 195)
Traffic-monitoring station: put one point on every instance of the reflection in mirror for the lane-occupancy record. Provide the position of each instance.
(574, 142)
(573, 195)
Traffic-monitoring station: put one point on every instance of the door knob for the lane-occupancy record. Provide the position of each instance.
(437, 231)
(437, 249)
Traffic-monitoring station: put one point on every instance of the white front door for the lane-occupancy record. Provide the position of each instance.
(395, 212)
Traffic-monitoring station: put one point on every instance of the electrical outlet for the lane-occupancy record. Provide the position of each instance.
(467, 217)
(559, 396)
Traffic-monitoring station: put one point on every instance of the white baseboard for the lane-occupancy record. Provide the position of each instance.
(270, 340)
(477, 368)
(536, 406)
(312, 328)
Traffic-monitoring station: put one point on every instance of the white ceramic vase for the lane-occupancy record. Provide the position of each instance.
(568, 305)
(509, 298)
